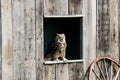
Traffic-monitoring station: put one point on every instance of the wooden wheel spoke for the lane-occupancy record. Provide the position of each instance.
(100, 70)
(106, 71)
(104, 68)
(116, 76)
(111, 70)
(96, 74)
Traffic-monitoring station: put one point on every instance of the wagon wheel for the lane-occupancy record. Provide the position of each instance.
(104, 68)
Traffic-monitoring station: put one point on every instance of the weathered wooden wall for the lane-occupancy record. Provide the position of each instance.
(70, 71)
(0, 45)
(21, 55)
(22, 44)
(22, 40)
(89, 33)
(119, 27)
(101, 32)
(108, 28)
(6, 39)
(63, 7)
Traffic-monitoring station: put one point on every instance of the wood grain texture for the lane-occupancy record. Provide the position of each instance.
(62, 72)
(50, 72)
(107, 28)
(72, 71)
(39, 40)
(119, 26)
(0, 45)
(79, 71)
(75, 7)
(22, 41)
(89, 32)
(114, 30)
(29, 27)
(6, 39)
(18, 39)
(76, 71)
(103, 26)
(55, 7)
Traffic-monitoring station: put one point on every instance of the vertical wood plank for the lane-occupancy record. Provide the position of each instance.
(72, 71)
(6, 39)
(18, 39)
(119, 25)
(75, 7)
(76, 71)
(21, 35)
(114, 30)
(62, 72)
(49, 72)
(79, 71)
(89, 32)
(39, 40)
(103, 27)
(107, 28)
(55, 7)
(0, 45)
(29, 17)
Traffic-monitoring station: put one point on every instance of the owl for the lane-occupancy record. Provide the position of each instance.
(56, 50)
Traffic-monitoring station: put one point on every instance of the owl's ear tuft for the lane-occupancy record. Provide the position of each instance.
(63, 34)
(57, 34)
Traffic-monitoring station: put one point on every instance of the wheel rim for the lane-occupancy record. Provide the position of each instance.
(104, 68)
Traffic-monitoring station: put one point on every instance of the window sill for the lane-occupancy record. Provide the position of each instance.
(62, 62)
(65, 16)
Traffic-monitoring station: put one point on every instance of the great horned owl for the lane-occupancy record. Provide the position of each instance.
(57, 48)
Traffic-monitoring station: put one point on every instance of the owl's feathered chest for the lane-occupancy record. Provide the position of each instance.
(56, 47)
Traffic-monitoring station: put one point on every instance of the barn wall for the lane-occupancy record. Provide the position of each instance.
(0, 46)
(89, 33)
(55, 7)
(6, 40)
(119, 27)
(22, 37)
(70, 71)
(101, 32)
(22, 54)
(108, 28)
(22, 42)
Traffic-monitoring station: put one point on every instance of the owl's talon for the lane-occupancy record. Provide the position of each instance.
(65, 60)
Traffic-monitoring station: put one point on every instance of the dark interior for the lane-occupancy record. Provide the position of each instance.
(72, 27)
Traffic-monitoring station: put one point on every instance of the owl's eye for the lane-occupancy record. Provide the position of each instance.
(61, 40)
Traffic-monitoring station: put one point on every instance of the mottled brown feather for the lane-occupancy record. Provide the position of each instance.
(57, 48)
